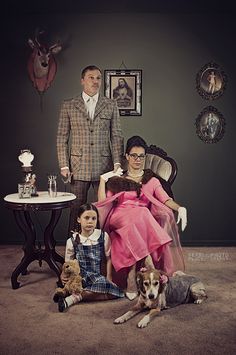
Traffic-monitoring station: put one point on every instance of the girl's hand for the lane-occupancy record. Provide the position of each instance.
(110, 280)
(64, 278)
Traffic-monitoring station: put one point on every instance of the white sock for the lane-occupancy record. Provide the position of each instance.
(64, 303)
(73, 299)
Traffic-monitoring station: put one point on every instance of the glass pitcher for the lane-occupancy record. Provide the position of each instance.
(52, 185)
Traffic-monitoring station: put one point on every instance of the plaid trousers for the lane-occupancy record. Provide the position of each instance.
(80, 189)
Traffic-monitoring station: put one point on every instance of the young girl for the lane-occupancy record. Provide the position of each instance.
(88, 247)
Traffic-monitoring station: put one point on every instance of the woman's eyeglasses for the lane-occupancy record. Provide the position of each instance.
(137, 156)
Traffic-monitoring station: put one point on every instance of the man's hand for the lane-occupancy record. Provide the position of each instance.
(116, 167)
(65, 172)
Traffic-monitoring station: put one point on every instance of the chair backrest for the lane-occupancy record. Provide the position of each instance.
(158, 161)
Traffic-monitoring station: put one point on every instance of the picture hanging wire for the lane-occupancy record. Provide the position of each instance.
(123, 65)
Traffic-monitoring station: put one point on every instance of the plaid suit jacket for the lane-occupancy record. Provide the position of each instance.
(89, 147)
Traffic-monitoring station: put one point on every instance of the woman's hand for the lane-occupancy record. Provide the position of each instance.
(104, 178)
(110, 174)
(182, 216)
(182, 212)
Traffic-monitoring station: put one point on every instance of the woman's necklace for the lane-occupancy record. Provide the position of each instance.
(135, 175)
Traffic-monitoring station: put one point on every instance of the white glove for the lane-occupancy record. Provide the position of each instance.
(110, 174)
(182, 216)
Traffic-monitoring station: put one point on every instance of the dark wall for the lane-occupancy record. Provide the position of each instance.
(170, 49)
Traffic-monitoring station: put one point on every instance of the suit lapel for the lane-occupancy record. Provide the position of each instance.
(79, 104)
(100, 105)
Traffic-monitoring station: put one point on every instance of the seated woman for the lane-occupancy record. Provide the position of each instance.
(137, 213)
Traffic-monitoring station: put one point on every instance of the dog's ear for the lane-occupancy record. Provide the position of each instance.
(139, 280)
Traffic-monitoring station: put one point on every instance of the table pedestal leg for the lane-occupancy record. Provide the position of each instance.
(25, 224)
(50, 255)
(31, 252)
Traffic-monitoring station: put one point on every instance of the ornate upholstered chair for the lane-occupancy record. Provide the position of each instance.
(162, 165)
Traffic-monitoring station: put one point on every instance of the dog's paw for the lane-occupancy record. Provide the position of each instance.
(178, 273)
(198, 301)
(144, 322)
(120, 320)
(166, 307)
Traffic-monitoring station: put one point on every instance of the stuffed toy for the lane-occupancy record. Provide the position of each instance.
(71, 280)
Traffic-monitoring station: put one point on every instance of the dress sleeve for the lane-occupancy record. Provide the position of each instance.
(107, 244)
(159, 192)
(69, 253)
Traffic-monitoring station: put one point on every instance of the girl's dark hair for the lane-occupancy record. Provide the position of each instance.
(135, 141)
(88, 207)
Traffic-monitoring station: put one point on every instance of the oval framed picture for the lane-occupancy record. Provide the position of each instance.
(211, 81)
(210, 125)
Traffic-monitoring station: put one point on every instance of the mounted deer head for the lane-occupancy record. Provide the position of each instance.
(42, 65)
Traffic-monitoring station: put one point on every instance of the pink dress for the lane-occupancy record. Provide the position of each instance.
(141, 226)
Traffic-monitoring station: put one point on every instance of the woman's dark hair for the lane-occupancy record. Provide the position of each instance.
(135, 141)
(88, 207)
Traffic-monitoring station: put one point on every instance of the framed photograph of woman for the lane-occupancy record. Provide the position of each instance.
(210, 125)
(125, 86)
(211, 81)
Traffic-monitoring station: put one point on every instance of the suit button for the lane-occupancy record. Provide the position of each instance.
(92, 143)
(91, 130)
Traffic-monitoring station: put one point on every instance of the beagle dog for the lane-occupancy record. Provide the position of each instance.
(157, 291)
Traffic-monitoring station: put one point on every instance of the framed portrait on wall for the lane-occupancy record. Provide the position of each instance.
(125, 86)
(210, 125)
(211, 81)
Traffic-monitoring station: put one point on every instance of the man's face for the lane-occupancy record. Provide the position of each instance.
(121, 83)
(91, 82)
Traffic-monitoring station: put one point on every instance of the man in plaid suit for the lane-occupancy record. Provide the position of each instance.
(89, 138)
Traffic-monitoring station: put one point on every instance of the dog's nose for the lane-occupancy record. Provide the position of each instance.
(151, 296)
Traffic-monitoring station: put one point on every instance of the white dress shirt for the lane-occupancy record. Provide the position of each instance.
(91, 240)
(90, 103)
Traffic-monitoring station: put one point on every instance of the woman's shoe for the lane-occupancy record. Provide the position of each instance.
(131, 295)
